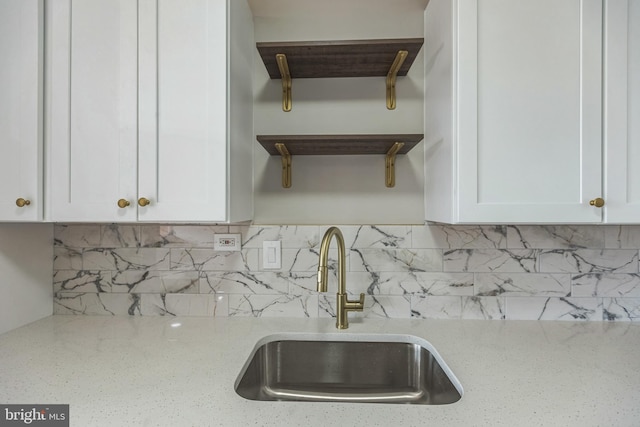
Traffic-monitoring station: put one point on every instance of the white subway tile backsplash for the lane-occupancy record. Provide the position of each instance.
(67, 258)
(491, 260)
(436, 307)
(622, 236)
(539, 308)
(522, 284)
(244, 283)
(442, 236)
(555, 236)
(273, 306)
(621, 309)
(384, 259)
(82, 281)
(290, 236)
(371, 236)
(527, 272)
(190, 236)
(484, 308)
(210, 260)
(606, 285)
(589, 261)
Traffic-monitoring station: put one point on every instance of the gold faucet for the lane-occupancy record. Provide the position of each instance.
(344, 305)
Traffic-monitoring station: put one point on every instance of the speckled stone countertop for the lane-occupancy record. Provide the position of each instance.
(132, 371)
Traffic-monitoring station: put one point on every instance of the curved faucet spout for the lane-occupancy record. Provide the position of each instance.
(344, 305)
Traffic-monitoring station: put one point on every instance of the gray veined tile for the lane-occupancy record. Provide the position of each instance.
(551, 308)
(555, 236)
(446, 236)
(245, 283)
(622, 236)
(126, 259)
(381, 260)
(273, 306)
(306, 283)
(76, 236)
(491, 260)
(210, 260)
(484, 308)
(183, 305)
(606, 285)
(81, 281)
(621, 309)
(65, 258)
(436, 307)
(305, 259)
(156, 282)
(374, 236)
(182, 236)
(290, 236)
(412, 283)
(522, 284)
(96, 304)
(589, 261)
(119, 236)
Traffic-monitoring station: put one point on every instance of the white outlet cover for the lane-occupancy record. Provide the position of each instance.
(271, 254)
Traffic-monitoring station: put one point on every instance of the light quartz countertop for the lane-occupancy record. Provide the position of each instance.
(133, 371)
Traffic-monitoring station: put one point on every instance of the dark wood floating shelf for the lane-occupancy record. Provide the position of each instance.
(339, 58)
(300, 145)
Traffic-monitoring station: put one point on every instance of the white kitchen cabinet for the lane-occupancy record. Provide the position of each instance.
(150, 100)
(622, 111)
(21, 149)
(513, 111)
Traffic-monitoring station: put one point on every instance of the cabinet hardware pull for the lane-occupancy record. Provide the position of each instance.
(123, 203)
(597, 202)
(21, 203)
(143, 202)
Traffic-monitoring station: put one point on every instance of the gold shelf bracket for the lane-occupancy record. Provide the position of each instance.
(391, 78)
(390, 164)
(283, 66)
(286, 164)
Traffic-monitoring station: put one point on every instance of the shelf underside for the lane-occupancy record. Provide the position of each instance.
(340, 58)
(338, 144)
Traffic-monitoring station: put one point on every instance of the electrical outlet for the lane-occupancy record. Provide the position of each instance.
(226, 242)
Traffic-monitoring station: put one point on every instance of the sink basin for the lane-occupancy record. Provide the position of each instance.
(363, 368)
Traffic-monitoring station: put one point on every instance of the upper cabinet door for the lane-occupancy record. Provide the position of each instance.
(622, 111)
(92, 109)
(21, 50)
(183, 110)
(529, 105)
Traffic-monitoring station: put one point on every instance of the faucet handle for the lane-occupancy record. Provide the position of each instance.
(355, 305)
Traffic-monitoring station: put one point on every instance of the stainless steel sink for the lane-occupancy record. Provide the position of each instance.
(348, 368)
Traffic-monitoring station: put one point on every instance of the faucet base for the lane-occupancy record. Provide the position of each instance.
(345, 306)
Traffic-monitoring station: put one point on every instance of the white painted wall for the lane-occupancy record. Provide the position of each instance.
(26, 268)
(338, 189)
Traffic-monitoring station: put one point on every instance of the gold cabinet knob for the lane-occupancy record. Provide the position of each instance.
(123, 203)
(598, 202)
(143, 202)
(21, 203)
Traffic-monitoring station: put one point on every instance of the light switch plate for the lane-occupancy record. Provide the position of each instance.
(227, 242)
(271, 255)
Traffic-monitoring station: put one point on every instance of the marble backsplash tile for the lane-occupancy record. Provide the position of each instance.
(524, 272)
